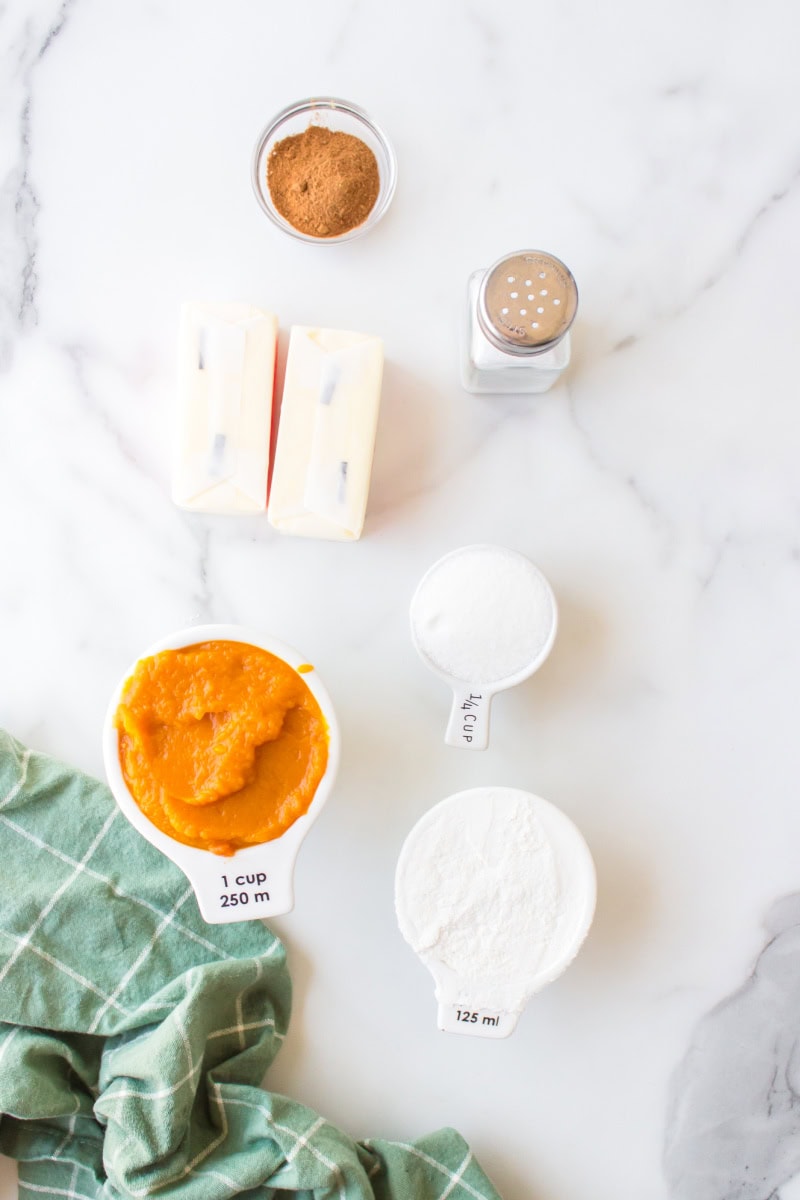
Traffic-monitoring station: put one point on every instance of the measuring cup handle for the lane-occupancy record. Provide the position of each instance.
(469, 718)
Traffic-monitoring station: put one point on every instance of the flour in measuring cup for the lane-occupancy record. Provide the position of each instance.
(494, 886)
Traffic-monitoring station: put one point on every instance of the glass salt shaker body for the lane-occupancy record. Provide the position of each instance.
(519, 314)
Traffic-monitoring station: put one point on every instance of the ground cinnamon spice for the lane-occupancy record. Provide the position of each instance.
(323, 182)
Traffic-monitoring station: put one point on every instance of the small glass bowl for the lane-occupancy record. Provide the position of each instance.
(340, 116)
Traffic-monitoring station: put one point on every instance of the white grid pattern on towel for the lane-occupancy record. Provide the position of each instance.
(61, 966)
(57, 894)
(166, 920)
(188, 1168)
(6, 1042)
(184, 1036)
(69, 1135)
(456, 1179)
(209, 1149)
(433, 1162)
(129, 1093)
(118, 891)
(326, 1162)
(226, 1179)
(239, 1027)
(266, 1023)
(20, 784)
(304, 1138)
(54, 1191)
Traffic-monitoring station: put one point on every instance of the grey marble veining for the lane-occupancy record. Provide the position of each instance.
(28, 35)
(734, 1116)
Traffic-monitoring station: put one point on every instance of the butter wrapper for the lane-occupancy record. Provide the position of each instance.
(226, 378)
(326, 436)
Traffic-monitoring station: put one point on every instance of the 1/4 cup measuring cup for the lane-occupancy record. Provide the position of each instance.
(257, 881)
(483, 619)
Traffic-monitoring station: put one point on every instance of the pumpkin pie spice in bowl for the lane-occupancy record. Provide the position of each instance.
(323, 171)
(220, 747)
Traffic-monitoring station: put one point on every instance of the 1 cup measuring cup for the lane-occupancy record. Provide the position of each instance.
(257, 881)
(483, 618)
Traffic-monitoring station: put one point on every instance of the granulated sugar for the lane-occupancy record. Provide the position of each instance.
(483, 614)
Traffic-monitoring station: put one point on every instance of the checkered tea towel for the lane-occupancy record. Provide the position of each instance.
(134, 1037)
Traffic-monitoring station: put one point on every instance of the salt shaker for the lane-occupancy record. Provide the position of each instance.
(519, 314)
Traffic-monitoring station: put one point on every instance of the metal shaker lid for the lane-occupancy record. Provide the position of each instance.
(527, 302)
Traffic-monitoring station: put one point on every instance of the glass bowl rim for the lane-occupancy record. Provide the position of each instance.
(332, 103)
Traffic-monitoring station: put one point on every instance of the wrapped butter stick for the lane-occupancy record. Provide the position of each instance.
(326, 437)
(226, 377)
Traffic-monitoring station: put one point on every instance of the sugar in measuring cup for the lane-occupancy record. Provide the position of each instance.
(483, 618)
(257, 880)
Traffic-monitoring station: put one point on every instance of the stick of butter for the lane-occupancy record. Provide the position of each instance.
(326, 436)
(226, 377)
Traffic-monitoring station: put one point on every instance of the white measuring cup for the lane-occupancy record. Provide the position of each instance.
(495, 892)
(257, 881)
(444, 631)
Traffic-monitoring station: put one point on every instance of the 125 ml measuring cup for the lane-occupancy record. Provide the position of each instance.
(495, 892)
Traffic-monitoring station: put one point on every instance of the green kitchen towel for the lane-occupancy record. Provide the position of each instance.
(134, 1037)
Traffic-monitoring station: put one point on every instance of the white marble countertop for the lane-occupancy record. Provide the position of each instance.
(654, 148)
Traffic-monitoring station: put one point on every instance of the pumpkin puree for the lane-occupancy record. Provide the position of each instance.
(222, 745)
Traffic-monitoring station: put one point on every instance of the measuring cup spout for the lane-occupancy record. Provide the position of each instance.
(469, 717)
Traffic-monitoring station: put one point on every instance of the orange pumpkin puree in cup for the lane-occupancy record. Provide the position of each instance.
(222, 745)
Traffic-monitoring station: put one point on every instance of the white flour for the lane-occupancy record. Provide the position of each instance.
(487, 892)
(483, 614)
